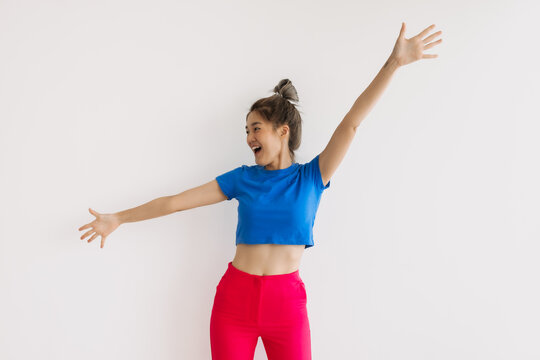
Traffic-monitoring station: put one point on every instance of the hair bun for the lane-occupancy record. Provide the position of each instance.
(286, 89)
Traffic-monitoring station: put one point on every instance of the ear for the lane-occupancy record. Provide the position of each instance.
(284, 130)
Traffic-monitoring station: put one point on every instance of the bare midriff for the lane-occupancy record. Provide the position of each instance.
(268, 259)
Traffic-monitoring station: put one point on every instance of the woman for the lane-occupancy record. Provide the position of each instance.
(261, 292)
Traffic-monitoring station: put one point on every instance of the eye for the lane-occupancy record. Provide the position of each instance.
(247, 132)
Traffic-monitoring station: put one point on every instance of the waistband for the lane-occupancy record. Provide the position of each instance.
(295, 275)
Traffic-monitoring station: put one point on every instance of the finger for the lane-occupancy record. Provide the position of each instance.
(93, 212)
(93, 234)
(87, 233)
(425, 31)
(93, 237)
(429, 56)
(402, 31)
(103, 241)
(85, 227)
(432, 36)
(430, 45)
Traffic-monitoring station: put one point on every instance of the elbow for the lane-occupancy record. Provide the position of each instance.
(171, 204)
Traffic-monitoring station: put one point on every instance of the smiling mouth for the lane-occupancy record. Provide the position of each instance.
(258, 150)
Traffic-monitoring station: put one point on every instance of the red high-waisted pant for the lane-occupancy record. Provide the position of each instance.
(273, 307)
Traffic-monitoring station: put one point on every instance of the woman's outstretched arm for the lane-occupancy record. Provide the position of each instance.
(405, 51)
(104, 224)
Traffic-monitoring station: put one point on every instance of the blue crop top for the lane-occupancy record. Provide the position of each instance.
(275, 206)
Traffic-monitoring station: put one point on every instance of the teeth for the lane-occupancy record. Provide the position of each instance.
(255, 148)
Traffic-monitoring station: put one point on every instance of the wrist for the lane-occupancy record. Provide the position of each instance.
(118, 218)
(392, 64)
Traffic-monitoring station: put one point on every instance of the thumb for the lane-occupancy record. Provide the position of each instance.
(92, 212)
(402, 31)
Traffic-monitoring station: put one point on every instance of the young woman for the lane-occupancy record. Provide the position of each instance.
(261, 292)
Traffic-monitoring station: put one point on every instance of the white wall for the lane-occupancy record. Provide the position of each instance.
(426, 243)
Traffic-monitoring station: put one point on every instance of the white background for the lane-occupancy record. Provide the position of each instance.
(426, 243)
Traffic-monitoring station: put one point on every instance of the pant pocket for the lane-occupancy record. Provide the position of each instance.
(303, 289)
(223, 280)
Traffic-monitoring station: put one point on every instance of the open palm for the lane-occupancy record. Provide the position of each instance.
(409, 50)
(103, 225)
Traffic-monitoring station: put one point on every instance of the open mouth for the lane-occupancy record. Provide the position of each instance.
(257, 150)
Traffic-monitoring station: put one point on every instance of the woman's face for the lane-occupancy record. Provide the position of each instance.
(260, 134)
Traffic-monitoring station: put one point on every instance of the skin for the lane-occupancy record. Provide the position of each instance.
(270, 259)
(103, 225)
(259, 259)
(275, 148)
(277, 259)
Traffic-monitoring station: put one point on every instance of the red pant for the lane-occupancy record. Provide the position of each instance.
(273, 307)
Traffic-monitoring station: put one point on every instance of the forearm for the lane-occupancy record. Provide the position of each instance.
(365, 102)
(152, 209)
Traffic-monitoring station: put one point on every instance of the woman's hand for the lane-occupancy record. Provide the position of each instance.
(407, 51)
(103, 225)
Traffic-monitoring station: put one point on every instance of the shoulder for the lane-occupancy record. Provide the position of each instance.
(313, 171)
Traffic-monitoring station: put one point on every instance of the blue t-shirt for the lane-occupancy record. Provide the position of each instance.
(275, 206)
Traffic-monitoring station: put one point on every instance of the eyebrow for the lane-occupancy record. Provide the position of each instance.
(255, 123)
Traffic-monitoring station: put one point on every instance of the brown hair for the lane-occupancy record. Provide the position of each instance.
(278, 109)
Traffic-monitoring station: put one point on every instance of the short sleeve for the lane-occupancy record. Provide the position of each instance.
(228, 181)
(314, 171)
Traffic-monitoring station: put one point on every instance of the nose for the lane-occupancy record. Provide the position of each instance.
(249, 139)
